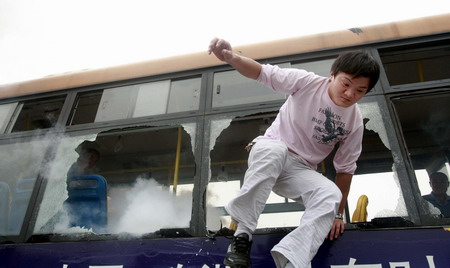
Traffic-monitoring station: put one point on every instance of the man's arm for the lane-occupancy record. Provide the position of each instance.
(343, 182)
(223, 51)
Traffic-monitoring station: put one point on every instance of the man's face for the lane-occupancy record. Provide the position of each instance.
(344, 90)
(87, 158)
(439, 184)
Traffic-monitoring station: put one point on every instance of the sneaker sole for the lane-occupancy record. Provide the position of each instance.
(236, 264)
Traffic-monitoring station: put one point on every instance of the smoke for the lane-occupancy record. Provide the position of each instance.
(148, 207)
(144, 207)
(63, 225)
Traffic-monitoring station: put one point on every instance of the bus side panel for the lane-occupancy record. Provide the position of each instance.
(381, 248)
(425, 248)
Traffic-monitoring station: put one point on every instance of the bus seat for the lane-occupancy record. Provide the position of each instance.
(360, 213)
(87, 202)
(19, 204)
(4, 207)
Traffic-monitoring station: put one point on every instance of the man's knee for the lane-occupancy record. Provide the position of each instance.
(336, 194)
(328, 195)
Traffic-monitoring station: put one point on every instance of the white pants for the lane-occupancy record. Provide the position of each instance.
(272, 167)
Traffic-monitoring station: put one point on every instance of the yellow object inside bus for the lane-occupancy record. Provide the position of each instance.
(360, 213)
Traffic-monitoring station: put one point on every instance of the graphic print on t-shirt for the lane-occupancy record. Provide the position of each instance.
(329, 128)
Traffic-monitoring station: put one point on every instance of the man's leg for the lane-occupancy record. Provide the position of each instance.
(266, 161)
(321, 198)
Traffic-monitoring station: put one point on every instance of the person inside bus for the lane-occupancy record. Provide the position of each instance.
(89, 155)
(86, 204)
(438, 196)
(85, 164)
(319, 113)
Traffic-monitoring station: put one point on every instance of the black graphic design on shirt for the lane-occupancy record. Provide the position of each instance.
(331, 129)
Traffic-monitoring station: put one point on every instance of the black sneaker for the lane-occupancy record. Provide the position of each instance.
(238, 254)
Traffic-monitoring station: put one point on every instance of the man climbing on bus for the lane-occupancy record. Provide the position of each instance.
(319, 113)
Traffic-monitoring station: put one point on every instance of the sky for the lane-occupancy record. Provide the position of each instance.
(47, 37)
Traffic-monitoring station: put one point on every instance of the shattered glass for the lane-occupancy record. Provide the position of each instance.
(139, 167)
(20, 166)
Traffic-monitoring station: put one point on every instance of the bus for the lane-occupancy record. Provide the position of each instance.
(131, 166)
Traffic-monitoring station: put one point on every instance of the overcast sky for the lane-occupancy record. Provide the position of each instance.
(45, 37)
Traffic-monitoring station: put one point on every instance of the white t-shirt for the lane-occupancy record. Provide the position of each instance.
(309, 122)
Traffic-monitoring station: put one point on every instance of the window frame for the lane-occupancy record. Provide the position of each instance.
(414, 195)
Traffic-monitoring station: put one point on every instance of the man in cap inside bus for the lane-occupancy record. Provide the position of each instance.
(86, 163)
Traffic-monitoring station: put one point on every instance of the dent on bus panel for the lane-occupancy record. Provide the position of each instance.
(128, 181)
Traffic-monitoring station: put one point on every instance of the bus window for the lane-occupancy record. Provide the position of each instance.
(425, 123)
(6, 111)
(231, 88)
(86, 107)
(168, 96)
(116, 103)
(416, 63)
(375, 176)
(155, 98)
(20, 165)
(38, 114)
(149, 174)
(184, 95)
(321, 67)
(228, 165)
(147, 104)
(4, 207)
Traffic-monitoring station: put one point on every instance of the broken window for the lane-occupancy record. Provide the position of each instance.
(20, 166)
(375, 177)
(229, 138)
(142, 179)
(425, 124)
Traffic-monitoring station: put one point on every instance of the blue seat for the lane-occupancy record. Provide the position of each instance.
(87, 202)
(4, 207)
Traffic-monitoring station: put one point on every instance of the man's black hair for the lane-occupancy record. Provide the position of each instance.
(437, 174)
(357, 64)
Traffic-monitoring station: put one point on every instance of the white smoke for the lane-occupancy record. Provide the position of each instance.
(148, 207)
(144, 207)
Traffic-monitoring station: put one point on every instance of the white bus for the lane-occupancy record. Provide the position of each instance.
(170, 137)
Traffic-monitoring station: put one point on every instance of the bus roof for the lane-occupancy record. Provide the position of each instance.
(303, 44)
